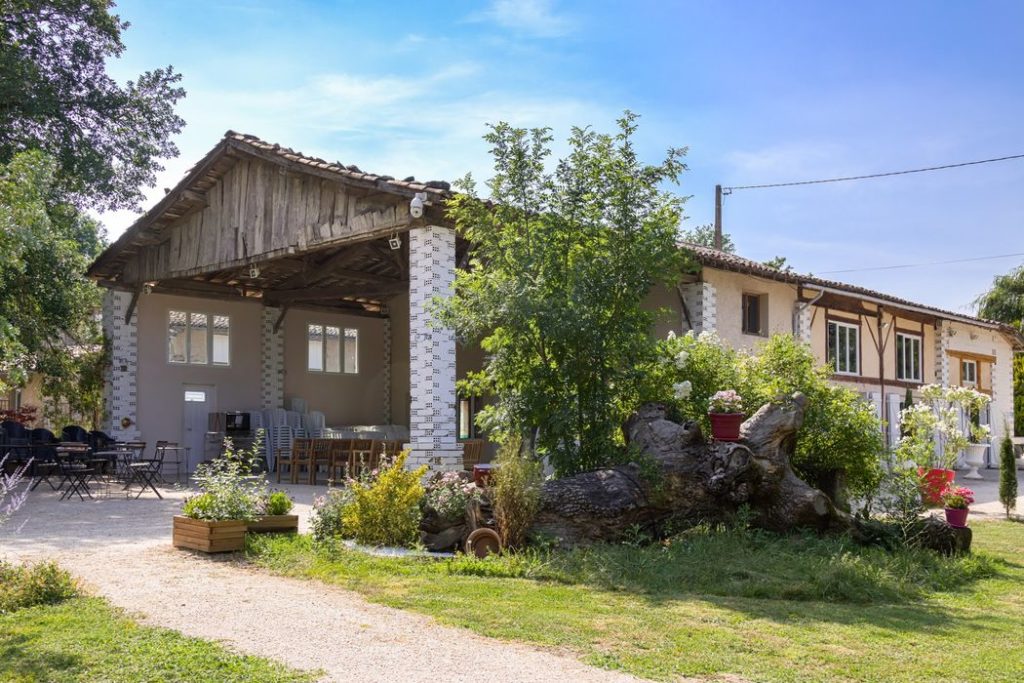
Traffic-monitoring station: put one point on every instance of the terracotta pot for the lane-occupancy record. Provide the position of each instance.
(726, 426)
(933, 481)
(957, 516)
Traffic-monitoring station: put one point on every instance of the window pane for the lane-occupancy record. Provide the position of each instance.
(832, 347)
(197, 339)
(221, 340)
(332, 345)
(195, 396)
(315, 334)
(177, 348)
(351, 350)
(851, 340)
(915, 367)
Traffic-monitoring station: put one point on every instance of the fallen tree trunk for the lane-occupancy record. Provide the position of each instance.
(688, 480)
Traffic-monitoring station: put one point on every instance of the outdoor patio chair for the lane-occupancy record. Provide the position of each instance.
(145, 473)
(294, 458)
(472, 451)
(320, 455)
(170, 453)
(74, 470)
(74, 433)
(44, 458)
(361, 457)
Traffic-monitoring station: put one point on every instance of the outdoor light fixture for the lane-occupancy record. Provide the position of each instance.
(147, 288)
(254, 272)
(416, 205)
(395, 242)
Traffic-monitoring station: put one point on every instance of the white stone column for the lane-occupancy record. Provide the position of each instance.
(120, 390)
(942, 353)
(700, 299)
(804, 317)
(271, 359)
(432, 429)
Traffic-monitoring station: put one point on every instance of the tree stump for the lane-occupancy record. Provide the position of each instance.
(690, 481)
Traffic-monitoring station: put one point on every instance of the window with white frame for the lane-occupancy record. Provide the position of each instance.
(908, 357)
(332, 349)
(969, 373)
(844, 347)
(198, 338)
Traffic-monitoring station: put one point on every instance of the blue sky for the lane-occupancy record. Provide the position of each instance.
(759, 92)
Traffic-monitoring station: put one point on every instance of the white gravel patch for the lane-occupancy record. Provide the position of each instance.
(121, 550)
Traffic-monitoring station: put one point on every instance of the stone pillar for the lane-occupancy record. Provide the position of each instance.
(120, 390)
(804, 316)
(386, 374)
(271, 359)
(700, 299)
(432, 428)
(942, 353)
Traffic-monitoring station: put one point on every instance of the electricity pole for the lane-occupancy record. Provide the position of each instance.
(718, 217)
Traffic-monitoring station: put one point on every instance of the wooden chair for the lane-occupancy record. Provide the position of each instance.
(472, 450)
(361, 457)
(293, 458)
(341, 456)
(320, 454)
(388, 448)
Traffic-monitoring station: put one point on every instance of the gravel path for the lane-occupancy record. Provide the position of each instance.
(121, 550)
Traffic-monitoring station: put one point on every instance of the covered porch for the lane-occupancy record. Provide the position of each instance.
(295, 293)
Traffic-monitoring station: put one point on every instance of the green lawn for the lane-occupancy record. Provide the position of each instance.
(795, 609)
(84, 639)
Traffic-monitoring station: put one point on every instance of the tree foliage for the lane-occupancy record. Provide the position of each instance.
(561, 262)
(1005, 301)
(1007, 475)
(56, 95)
(704, 236)
(46, 304)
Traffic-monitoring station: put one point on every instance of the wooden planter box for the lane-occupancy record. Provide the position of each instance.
(208, 537)
(275, 524)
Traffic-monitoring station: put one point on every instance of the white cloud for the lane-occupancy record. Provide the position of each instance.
(533, 17)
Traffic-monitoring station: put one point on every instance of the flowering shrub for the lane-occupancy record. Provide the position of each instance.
(328, 510)
(726, 401)
(27, 585)
(936, 421)
(957, 497)
(385, 510)
(229, 486)
(449, 495)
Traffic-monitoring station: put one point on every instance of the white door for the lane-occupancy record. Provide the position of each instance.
(200, 401)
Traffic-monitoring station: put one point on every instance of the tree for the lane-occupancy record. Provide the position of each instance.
(704, 236)
(1005, 301)
(1007, 475)
(46, 304)
(779, 263)
(561, 262)
(55, 95)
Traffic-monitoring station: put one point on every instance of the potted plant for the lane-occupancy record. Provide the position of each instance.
(230, 491)
(956, 501)
(274, 517)
(725, 410)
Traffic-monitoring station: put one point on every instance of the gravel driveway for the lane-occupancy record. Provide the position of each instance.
(121, 550)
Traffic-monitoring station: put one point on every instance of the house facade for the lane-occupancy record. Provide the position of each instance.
(268, 279)
(880, 346)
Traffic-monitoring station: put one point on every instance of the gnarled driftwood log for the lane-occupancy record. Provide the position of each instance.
(691, 481)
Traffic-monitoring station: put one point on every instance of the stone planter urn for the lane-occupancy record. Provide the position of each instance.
(974, 457)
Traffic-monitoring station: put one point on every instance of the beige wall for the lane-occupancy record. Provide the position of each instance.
(729, 290)
(996, 377)
(344, 399)
(160, 384)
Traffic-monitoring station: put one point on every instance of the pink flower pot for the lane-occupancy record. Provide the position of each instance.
(726, 426)
(957, 517)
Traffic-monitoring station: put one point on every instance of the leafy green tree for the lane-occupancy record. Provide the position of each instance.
(561, 263)
(47, 306)
(779, 263)
(1018, 394)
(55, 95)
(1005, 303)
(1007, 475)
(704, 236)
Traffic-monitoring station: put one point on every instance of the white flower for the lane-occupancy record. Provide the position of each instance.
(671, 335)
(682, 389)
(681, 359)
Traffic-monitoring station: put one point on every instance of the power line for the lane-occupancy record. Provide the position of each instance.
(872, 175)
(919, 265)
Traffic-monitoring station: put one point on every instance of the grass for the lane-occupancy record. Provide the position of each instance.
(714, 603)
(84, 639)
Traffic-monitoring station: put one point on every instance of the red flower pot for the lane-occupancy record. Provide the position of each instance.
(957, 517)
(933, 482)
(726, 426)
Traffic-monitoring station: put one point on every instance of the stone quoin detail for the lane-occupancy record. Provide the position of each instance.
(271, 359)
(804, 319)
(120, 393)
(942, 354)
(432, 433)
(700, 300)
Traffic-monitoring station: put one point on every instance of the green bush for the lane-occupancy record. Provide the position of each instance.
(1007, 475)
(230, 487)
(516, 498)
(326, 520)
(278, 503)
(385, 510)
(28, 585)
